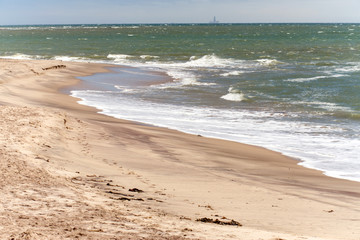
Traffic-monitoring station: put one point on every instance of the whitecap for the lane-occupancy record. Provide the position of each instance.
(148, 57)
(232, 73)
(183, 78)
(348, 69)
(68, 58)
(20, 56)
(305, 79)
(326, 105)
(126, 89)
(213, 61)
(314, 78)
(234, 95)
(268, 62)
(118, 57)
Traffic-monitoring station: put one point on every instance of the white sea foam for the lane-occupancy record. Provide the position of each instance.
(134, 60)
(210, 61)
(130, 27)
(182, 78)
(268, 62)
(353, 67)
(306, 79)
(183, 72)
(122, 59)
(234, 95)
(21, 56)
(149, 57)
(315, 78)
(69, 59)
(118, 57)
(232, 73)
(213, 61)
(126, 89)
(326, 105)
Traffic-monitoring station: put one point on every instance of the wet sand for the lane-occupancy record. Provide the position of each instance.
(69, 172)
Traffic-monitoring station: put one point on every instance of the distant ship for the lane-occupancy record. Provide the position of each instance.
(214, 21)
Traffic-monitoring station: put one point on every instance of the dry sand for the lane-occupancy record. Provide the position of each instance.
(66, 172)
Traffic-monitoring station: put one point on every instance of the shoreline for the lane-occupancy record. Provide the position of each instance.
(124, 76)
(190, 177)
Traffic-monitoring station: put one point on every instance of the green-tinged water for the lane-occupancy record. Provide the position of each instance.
(299, 42)
(293, 88)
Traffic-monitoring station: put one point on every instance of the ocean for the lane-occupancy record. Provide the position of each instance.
(292, 88)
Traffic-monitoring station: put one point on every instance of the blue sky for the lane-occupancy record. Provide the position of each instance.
(176, 11)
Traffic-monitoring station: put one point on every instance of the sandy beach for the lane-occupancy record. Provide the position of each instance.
(68, 172)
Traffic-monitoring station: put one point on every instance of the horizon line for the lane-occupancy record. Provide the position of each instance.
(174, 23)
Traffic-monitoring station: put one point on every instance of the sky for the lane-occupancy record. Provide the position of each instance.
(19, 12)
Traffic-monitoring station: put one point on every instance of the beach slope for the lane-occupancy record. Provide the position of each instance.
(69, 172)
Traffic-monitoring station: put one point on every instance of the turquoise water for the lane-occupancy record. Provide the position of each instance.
(293, 88)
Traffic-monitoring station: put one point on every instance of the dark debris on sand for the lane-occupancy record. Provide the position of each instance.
(217, 221)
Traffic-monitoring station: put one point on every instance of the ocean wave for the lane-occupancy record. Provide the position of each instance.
(182, 79)
(232, 73)
(91, 93)
(305, 79)
(127, 89)
(185, 72)
(212, 61)
(70, 59)
(326, 105)
(209, 62)
(20, 56)
(234, 66)
(149, 57)
(15, 28)
(54, 27)
(132, 59)
(352, 68)
(118, 57)
(234, 95)
(347, 115)
(268, 62)
(315, 78)
(325, 64)
(129, 27)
